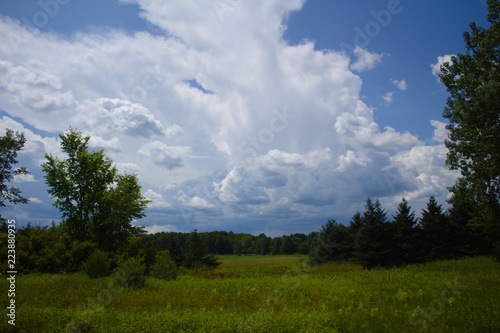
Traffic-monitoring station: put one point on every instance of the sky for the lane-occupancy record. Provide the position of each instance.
(269, 116)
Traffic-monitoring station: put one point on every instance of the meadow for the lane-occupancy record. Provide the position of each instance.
(268, 294)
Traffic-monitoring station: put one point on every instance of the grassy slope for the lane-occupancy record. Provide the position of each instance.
(271, 295)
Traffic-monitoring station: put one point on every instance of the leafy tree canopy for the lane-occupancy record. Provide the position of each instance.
(473, 111)
(96, 202)
(10, 144)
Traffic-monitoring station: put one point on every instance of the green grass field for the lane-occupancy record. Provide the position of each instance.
(269, 294)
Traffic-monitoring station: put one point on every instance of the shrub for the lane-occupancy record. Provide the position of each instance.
(96, 265)
(164, 267)
(131, 272)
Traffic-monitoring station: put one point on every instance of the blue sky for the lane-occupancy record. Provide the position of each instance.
(250, 116)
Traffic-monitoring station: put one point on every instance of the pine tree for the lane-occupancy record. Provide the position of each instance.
(371, 240)
(197, 255)
(405, 240)
(437, 232)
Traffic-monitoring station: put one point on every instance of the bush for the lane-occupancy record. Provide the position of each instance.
(164, 267)
(96, 265)
(131, 272)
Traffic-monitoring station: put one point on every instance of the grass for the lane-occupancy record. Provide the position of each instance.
(269, 294)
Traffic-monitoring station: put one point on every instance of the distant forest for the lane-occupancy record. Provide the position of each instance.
(372, 239)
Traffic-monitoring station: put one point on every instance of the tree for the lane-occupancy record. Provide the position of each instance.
(197, 255)
(438, 233)
(404, 235)
(473, 111)
(371, 240)
(287, 245)
(96, 203)
(10, 144)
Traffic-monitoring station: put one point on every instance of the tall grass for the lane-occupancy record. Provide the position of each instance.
(287, 296)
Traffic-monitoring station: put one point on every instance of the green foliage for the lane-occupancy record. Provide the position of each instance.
(405, 237)
(164, 267)
(438, 232)
(333, 297)
(371, 240)
(197, 255)
(96, 265)
(49, 250)
(331, 244)
(96, 203)
(131, 272)
(473, 110)
(10, 144)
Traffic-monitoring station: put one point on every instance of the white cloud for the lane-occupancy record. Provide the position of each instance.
(350, 160)
(401, 84)
(389, 97)
(157, 200)
(24, 179)
(440, 131)
(153, 229)
(278, 132)
(361, 130)
(169, 157)
(365, 59)
(116, 115)
(436, 68)
(35, 200)
(30, 86)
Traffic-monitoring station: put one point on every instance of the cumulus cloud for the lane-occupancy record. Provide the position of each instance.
(440, 131)
(169, 157)
(269, 130)
(424, 166)
(30, 86)
(365, 59)
(350, 160)
(361, 130)
(156, 199)
(401, 84)
(24, 179)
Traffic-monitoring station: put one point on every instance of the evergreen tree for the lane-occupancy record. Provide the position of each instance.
(197, 255)
(331, 243)
(371, 241)
(438, 233)
(405, 240)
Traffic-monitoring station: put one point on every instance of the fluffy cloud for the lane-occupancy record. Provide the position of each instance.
(388, 98)
(31, 87)
(362, 130)
(221, 119)
(440, 131)
(401, 84)
(119, 116)
(169, 157)
(365, 60)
